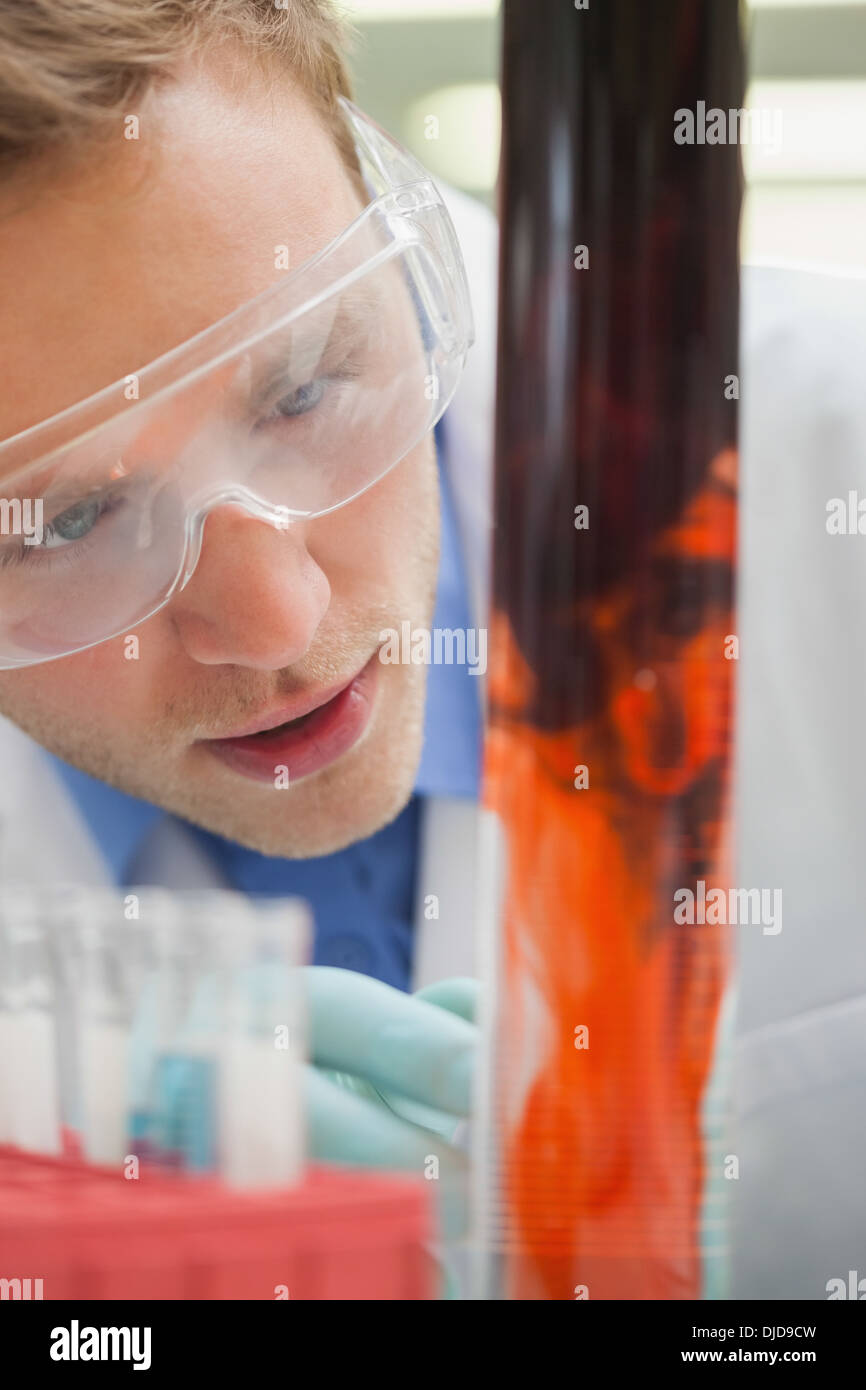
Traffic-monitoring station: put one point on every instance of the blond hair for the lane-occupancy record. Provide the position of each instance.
(70, 69)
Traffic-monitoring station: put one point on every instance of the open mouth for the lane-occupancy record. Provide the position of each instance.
(303, 745)
(299, 723)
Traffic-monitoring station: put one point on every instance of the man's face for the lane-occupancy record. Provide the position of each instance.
(106, 268)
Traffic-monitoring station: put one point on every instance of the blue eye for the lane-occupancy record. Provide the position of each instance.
(72, 530)
(73, 523)
(304, 399)
(298, 402)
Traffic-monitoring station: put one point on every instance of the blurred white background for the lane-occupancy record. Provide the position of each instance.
(806, 202)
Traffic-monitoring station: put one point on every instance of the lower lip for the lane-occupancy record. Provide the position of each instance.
(325, 735)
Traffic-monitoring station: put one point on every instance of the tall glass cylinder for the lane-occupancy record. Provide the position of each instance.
(613, 640)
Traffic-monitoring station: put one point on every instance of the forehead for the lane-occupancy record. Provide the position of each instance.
(111, 265)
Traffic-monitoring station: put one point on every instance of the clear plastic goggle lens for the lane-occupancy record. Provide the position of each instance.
(291, 407)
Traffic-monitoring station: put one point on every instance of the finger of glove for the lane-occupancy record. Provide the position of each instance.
(343, 1127)
(421, 1115)
(459, 996)
(393, 1040)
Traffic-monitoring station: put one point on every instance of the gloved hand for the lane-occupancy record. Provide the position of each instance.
(391, 1073)
(390, 1078)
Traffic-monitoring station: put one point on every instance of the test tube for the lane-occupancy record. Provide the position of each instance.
(106, 983)
(217, 1038)
(610, 685)
(178, 1026)
(30, 1096)
(61, 912)
(166, 1026)
(260, 1101)
(6, 1035)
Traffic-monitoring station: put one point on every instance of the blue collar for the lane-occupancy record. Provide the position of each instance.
(118, 822)
(450, 760)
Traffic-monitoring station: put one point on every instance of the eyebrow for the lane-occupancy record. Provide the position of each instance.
(353, 319)
(356, 310)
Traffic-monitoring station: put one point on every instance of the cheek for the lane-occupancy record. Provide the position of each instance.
(109, 686)
(51, 700)
(387, 537)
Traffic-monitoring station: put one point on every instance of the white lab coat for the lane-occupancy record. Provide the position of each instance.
(800, 1063)
(799, 1128)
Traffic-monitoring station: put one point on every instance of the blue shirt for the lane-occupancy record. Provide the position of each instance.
(362, 897)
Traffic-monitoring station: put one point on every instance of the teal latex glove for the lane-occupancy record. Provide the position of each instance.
(391, 1079)
(391, 1073)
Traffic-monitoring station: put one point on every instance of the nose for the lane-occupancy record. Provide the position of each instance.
(256, 597)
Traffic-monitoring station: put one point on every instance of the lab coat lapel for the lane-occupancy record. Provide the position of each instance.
(46, 840)
(44, 837)
(445, 915)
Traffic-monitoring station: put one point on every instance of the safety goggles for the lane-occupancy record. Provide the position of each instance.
(291, 406)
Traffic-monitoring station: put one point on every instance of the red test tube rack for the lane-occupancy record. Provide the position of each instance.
(88, 1232)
